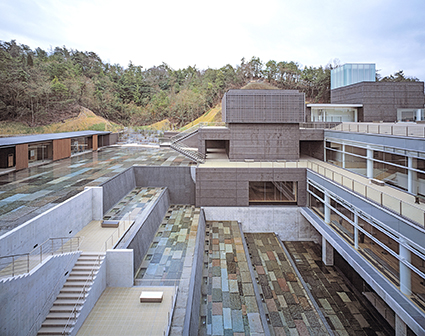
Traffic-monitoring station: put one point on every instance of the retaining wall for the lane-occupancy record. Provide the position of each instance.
(141, 234)
(178, 180)
(117, 187)
(287, 221)
(27, 297)
(63, 220)
(191, 323)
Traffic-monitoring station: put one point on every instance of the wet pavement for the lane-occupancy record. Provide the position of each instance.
(164, 261)
(286, 303)
(30, 192)
(228, 305)
(345, 312)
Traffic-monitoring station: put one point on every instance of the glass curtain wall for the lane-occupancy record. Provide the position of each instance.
(41, 151)
(79, 145)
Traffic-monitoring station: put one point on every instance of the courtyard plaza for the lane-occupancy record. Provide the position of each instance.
(27, 193)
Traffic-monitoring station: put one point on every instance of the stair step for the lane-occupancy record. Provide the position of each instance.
(74, 283)
(74, 289)
(78, 278)
(81, 273)
(68, 302)
(84, 268)
(71, 296)
(59, 322)
(64, 309)
(87, 263)
(53, 331)
(60, 316)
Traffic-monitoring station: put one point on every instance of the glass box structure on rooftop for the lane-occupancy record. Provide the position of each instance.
(352, 73)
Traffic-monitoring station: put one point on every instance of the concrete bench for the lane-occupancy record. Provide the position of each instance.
(110, 223)
(155, 297)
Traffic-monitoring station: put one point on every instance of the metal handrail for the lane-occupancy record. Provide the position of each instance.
(392, 203)
(23, 263)
(117, 232)
(73, 314)
(383, 128)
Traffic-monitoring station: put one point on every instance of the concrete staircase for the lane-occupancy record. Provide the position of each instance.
(65, 311)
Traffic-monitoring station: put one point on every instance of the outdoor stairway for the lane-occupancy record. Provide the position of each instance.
(194, 155)
(65, 311)
(191, 154)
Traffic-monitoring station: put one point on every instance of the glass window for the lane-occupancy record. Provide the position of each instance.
(271, 192)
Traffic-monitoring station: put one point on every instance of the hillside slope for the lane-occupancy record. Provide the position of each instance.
(86, 120)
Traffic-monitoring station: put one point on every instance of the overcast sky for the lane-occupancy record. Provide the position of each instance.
(390, 33)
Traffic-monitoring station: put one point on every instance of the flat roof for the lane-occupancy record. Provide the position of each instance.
(11, 141)
(334, 105)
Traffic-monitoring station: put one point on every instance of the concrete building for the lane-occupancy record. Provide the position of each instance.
(355, 190)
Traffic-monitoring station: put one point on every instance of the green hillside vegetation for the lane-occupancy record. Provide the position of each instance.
(41, 87)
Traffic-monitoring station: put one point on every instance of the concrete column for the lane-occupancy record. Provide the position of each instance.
(369, 163)
(405, 275)
(400, 326)
(412, 176)
(327, 209)
(418, 114)
(356, 231)
(343, 156)
(324, 150)
(327, 253)
(97, 202)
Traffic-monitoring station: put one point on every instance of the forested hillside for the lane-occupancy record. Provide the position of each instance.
(39, 87)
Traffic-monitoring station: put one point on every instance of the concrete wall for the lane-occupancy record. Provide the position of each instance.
(191, 323)
(287, 221)
(27, 299)
(191, 141)
(178, 180)
(119, 268)
(380, 100)
(63, 220)
(117, 187)
(211, 133)
(141, 234)
(312, 148)
(264, 142)
(230, 186)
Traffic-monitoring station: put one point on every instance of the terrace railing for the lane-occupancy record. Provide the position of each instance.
(17, 264)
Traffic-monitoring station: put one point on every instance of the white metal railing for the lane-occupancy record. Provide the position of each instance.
(400, 129)
(408, 210)
(17, 264)
(320, 124)
(185, 133)
(123, 226)
(81, 298)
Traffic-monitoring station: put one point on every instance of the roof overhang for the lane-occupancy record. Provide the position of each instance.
(12, 141)
(335, 105)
